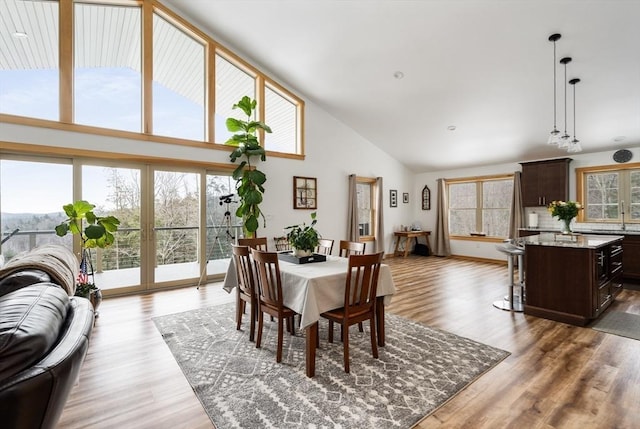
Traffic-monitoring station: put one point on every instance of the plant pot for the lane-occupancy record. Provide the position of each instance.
(302, 253)
(95, 297)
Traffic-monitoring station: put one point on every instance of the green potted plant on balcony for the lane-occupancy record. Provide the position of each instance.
(98, 232)
(304, 238)
(249, 180)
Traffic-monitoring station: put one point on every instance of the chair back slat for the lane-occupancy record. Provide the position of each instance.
(325, 246)
(244, 271)
(348, 248)
(259, 243)
(362, 282)
(282, 243)
(269, 281)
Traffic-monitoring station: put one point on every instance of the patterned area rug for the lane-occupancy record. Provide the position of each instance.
(419, 369)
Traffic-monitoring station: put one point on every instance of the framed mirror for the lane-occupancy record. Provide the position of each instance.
(426, 198)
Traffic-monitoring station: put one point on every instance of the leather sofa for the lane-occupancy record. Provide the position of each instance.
(44, 337)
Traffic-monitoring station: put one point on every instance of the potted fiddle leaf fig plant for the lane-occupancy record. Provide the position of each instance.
(94, 231)
(304, 238)
(249, 180)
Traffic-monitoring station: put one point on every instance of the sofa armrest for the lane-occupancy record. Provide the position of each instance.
(36, 396)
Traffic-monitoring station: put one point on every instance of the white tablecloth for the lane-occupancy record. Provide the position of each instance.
(311, 289)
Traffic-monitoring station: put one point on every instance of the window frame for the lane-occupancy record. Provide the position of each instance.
(373, 203)
(478, 180)
(581, 189)
(212, 47)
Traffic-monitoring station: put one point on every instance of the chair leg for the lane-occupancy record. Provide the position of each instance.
(374, 344)
(360, 327)
(260, 321)
(345, 342)
(252, 324)
(239, 311)
(280, 335)
(330, 331)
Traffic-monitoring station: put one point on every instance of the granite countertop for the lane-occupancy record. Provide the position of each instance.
(587, 231)
(581, 241)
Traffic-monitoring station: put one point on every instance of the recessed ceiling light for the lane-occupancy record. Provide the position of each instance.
(20, 35)
(451, 127)
(619, 138)
(398, 75)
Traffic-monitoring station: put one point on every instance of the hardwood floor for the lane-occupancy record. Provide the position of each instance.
(558, 376)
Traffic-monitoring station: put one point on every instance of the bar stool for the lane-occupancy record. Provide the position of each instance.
(513, 301)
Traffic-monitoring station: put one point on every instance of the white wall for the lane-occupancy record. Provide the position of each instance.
(333, 151)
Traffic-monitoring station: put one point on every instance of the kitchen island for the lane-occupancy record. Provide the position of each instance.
(572, 278)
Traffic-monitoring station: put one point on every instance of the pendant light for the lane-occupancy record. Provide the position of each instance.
(554, 136)
(565, 139)
(575, 145)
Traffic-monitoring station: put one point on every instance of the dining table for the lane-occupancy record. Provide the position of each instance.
(310, 289)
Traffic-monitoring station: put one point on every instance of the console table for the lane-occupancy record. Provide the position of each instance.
(405, 237)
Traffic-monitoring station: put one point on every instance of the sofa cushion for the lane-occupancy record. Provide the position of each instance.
(22, 279)
(30, 321)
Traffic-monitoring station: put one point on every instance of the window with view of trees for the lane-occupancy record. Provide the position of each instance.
(365, 193)
(480, 206)
(607, 193)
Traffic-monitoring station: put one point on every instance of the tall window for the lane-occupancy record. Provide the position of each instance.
(366, 194)
(108, 82)
(29, 59)
(232, 83)
(281, 115)
(480, 206)
(178, 82)
(607, 194)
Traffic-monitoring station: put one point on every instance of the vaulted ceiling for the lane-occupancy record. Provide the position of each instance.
(483, 66)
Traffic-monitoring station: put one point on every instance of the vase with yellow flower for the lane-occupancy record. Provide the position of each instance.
(565, 211)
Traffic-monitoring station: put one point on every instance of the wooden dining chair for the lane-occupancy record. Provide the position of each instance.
(269, 296)
(246, 287)
(259, 243)
(325, 246)
(348, 248)
(359, 301)
(282, 243)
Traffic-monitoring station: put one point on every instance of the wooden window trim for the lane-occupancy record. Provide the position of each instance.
(581, 174)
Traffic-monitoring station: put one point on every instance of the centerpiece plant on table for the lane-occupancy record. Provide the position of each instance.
(303, 238)
(565, 211)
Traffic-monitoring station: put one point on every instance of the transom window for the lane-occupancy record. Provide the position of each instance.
(480, 207)
(96, 64)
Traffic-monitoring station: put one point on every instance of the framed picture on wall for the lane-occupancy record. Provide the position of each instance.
(426, 198)
(305, 192)
(393, 198)
(405, 197)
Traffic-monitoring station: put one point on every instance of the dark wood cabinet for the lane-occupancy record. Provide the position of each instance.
(631, 257)
(572, 284)
(545, 181)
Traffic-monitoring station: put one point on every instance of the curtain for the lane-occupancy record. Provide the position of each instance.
(353, 232)
(379, 232)
(516, 220)
(442, 247)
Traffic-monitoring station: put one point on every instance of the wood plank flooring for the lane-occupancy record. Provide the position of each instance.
(558, 376)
